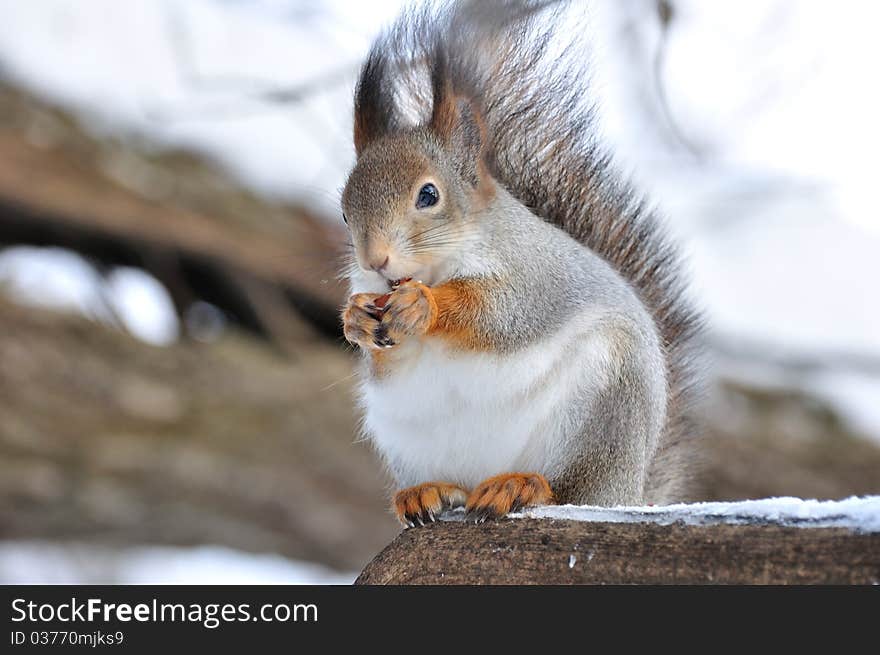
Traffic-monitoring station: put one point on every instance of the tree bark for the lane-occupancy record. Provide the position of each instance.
(549, 551)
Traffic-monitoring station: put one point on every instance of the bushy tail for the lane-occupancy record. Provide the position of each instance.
(507, 59)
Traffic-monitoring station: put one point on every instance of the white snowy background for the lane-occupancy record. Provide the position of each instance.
(761, 154)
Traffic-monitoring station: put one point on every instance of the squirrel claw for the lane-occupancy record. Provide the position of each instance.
(423, 503)
(478, 516)
(381, 338)
(509, 492)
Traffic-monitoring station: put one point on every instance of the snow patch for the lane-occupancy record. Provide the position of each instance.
(861, 514)
(60, 279)
(39, 562)
(143, 305)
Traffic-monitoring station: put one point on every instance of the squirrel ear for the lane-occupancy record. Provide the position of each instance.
(458, 125)
(373, 107)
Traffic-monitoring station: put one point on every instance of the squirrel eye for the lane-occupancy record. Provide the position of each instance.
(344, 218)
(428, 196)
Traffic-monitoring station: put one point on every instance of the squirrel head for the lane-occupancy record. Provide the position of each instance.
(411, 199)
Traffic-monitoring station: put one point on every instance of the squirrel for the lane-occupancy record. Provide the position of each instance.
(525, 333)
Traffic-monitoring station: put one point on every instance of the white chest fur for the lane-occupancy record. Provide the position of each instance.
(462, 417)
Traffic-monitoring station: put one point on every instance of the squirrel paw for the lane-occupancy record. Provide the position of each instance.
(508, 492)
(410, 310)
(424, 502)
(360, 320)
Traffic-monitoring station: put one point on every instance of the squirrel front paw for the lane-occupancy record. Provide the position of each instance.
(505, 493)
(360, 320)
(409, 311)
(424, 502)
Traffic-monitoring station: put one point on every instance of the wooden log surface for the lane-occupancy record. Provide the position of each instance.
(551, 551)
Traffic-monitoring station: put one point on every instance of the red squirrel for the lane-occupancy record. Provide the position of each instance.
(525, 335)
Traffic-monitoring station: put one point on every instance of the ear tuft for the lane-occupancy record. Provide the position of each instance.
(457, 124)
(373, 107)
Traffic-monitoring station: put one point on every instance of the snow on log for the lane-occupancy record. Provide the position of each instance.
(772, 541)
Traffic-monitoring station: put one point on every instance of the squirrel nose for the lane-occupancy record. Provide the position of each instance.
(378, 267)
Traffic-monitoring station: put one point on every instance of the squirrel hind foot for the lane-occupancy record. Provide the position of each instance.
(423, 503)
(505, 493)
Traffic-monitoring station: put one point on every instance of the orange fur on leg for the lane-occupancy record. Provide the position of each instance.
(508, 492)
(459, 305)
(425, 502)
